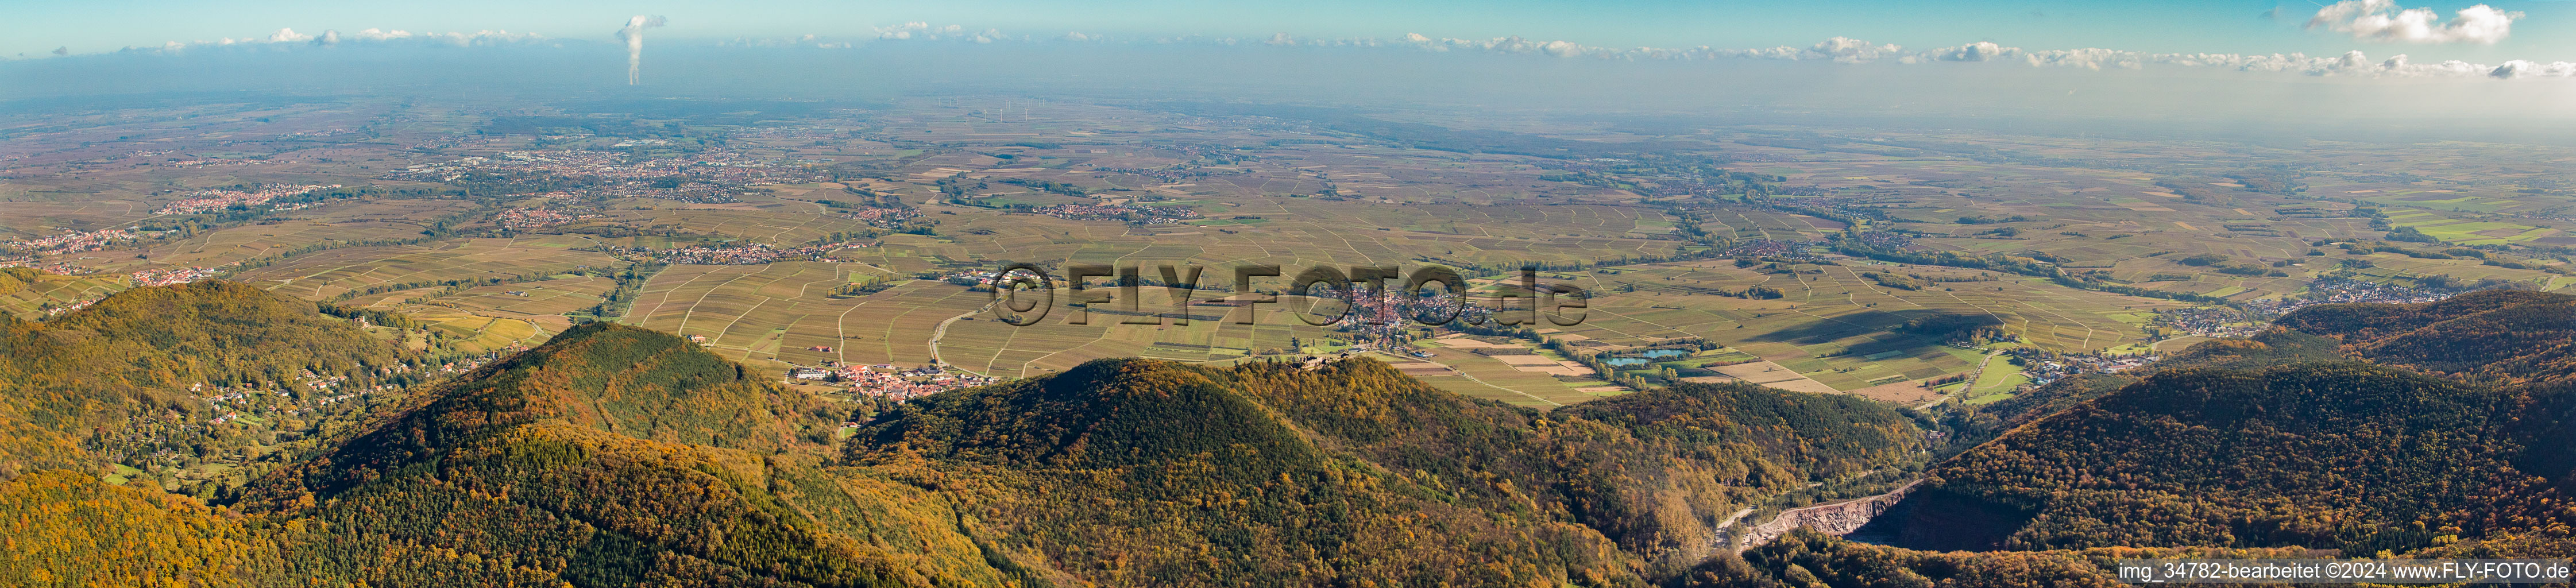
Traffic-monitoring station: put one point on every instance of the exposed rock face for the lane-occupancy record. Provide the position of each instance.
(1833, 519)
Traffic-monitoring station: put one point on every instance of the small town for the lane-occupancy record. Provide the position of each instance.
(1142, 215)
(2043, 367)
(752, 254)
(57, 267)
(210, 200)
(2338, 290)
(2214, 321)
(75, 242)
(174, 275)
(884, 217)
(887, 381)
(700, 178)
(521, 219)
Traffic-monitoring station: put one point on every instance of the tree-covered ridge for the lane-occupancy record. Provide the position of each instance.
(2495, 336)
(1682, 459)
(2371, 321)
(1254, 468)
(617, 456)
(1655, 472)
(617, 379)
(611, 456)
(552, 503)
(2273, 346)
(612, 378)
(1146, 473)
(2349, 456)
(120, 380)
(1813, 436)
(67, 528)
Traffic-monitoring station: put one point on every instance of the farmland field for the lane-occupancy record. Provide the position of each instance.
(855, 240)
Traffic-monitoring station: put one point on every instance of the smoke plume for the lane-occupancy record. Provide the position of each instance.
(634, 36)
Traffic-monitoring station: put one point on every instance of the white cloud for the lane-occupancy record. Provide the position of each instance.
(923, 31)
(1978, 51)
(2523, 69)
(2382, 20)
(287, 37)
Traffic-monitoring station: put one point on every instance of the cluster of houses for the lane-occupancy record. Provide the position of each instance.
(1377, 318)
(318, 382)
(60, 268)
(2229, 322)
(1886, 240)
(2333, 290)
(470, 363)
(75, 241)
(884, 217)
(233, 401)
(1143, 215)
(2214, 321)
(704, 178)
(521, 219)
(2043, 367)
(73, 306)
(215, 199)
(753, 254)
(886, 380)
(172, 275)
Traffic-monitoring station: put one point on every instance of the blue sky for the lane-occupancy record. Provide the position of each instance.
(2546, 32)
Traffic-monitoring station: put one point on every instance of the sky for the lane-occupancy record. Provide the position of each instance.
(2544, 30)
(2441, 70)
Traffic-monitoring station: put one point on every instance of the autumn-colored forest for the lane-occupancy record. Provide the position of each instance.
(619, 456)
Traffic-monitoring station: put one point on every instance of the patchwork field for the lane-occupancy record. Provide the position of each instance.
(1654, 231)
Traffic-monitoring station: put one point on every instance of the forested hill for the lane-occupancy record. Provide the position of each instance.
(2496, 336)
(2273, 346)
(2345, 456)
(2443, 429)
(612, 456)
(612, 378)
(1131, 470)
(2456, 429)
(121, 378)
(617, 456)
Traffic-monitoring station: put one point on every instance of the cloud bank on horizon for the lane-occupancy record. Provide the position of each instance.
(287, 37)
(2365, 20)
(1843, 50)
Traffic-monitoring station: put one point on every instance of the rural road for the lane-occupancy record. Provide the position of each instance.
(942, 331)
